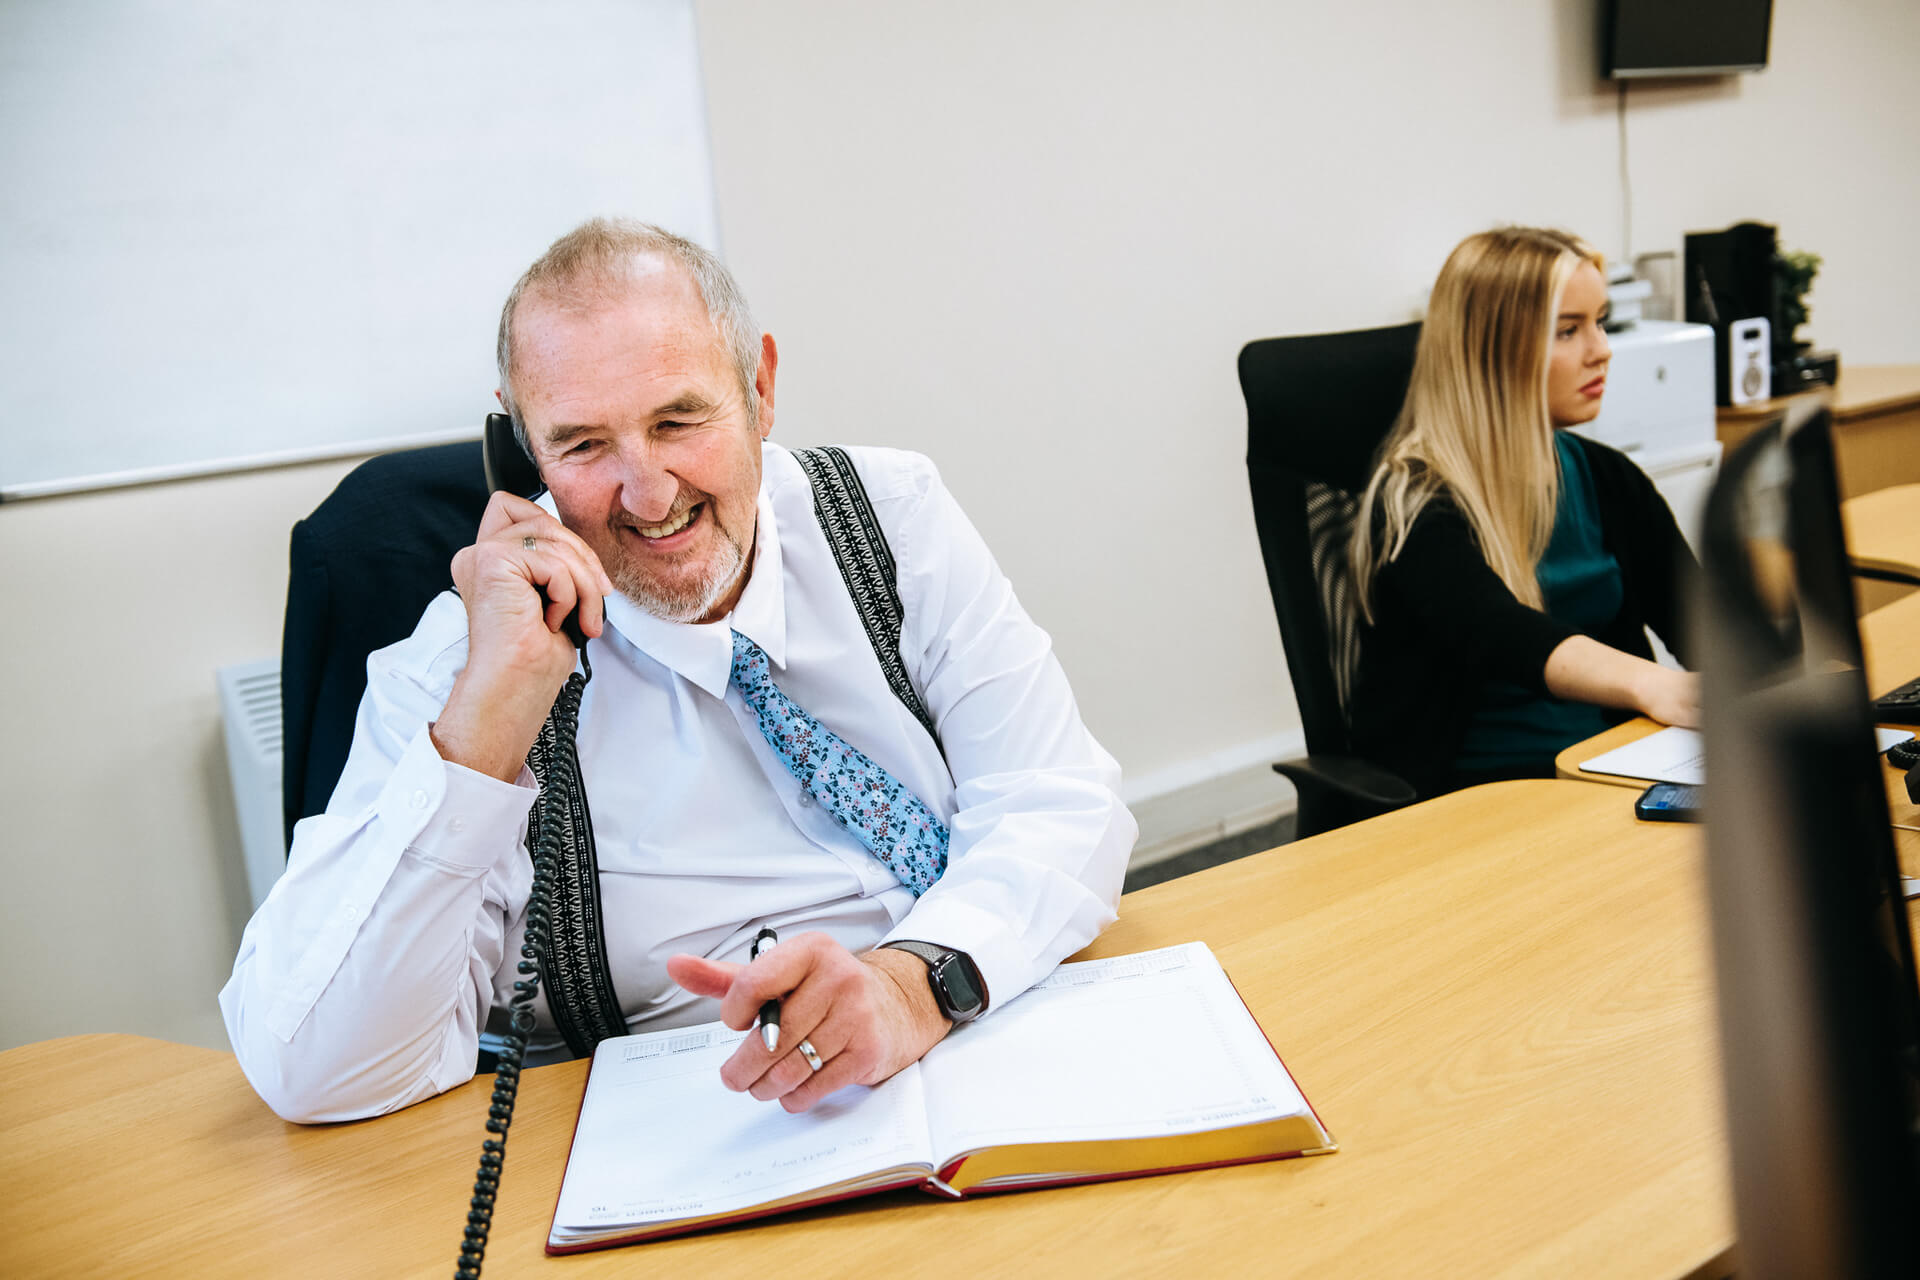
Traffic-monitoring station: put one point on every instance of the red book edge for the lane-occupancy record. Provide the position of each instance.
(1333, 1143)
(708, 1224)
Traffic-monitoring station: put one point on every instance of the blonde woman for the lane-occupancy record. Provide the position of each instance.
(1505, 568)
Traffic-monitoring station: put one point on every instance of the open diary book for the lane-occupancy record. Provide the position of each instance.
(1113, 1068)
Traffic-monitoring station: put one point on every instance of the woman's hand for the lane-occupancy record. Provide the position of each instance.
(1671, 697)
(1581, 669)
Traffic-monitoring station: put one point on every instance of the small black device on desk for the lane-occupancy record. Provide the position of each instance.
(1901, 706)
(1670, 802)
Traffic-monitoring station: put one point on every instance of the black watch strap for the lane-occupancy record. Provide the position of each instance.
(954, 978)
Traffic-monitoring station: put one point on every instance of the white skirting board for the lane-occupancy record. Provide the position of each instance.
(1221, 794)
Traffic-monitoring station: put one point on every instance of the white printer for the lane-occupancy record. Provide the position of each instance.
(1659, 411)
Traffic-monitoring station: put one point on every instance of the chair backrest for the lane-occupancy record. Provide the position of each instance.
(1317, 408)
(363, 568)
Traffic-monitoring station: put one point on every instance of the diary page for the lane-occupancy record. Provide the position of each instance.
(1127, 1047)
(661, 1139)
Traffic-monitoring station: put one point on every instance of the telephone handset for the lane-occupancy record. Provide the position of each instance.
(507, 464)
(508, 467)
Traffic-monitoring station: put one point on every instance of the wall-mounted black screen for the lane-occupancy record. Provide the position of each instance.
(1685, 37)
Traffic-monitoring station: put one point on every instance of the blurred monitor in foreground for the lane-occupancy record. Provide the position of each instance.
(1819, 1010)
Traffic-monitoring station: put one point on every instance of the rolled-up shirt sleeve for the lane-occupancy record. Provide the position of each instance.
(1040, 836)
(363, 980)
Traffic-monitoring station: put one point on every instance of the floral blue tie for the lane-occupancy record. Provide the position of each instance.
(871, 803)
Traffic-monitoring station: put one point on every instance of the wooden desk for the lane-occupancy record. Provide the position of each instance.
(1883, 531)
(1876, 419)
(1883, 538)
(1890, 639)
(1500, 1002)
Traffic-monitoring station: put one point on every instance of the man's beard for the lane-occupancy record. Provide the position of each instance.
(685, 601)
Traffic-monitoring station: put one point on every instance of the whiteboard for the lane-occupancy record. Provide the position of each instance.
(233, 234)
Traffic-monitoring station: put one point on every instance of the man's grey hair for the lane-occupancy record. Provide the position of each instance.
(592, 265)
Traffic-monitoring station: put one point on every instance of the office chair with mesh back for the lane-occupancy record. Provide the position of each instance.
(364, 566)
(1317, 407)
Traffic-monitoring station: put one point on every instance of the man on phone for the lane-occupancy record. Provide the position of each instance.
(924, 821)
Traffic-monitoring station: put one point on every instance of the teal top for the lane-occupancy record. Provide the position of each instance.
(1514, 728)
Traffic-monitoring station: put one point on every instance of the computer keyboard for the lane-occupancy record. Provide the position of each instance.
(1902, 706)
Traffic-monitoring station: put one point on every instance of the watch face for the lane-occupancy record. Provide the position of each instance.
(957, 987)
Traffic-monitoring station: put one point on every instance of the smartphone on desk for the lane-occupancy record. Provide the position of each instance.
(1670, 802)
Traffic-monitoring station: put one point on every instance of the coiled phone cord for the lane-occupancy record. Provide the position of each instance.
(506, 1073)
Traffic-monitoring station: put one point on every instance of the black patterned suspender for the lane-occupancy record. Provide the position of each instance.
(866, 565)
(573, 965)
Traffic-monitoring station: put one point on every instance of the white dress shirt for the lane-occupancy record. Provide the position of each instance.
(364, 980)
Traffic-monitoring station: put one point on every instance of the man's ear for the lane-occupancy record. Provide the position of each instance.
(763, 383)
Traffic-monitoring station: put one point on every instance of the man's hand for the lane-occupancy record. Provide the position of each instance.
(516, 595)
(866, 1016)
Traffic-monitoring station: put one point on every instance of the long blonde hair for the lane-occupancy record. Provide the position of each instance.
(1475, 420)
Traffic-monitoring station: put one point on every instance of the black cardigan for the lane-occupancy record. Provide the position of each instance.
(1444, 624)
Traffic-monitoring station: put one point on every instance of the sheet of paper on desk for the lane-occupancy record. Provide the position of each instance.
(1671, 755)
(1678, 755)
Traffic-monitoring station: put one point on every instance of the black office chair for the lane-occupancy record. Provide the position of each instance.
(364, 566)
(1317, 407)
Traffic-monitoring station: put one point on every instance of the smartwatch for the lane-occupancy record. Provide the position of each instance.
(956, 983)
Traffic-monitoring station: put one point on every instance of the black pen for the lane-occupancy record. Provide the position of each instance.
(770, 1011)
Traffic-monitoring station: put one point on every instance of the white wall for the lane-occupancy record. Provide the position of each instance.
(123, 894)
(1028, 239)
(1031, 239)
(150, 205)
